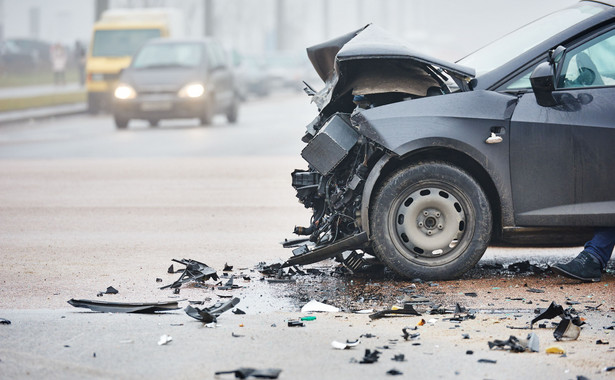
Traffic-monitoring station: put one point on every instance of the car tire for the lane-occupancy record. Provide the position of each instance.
(207, 113)
(431, 221)
(233, 111)
(121, 122)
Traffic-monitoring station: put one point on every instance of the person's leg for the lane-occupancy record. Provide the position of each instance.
(588, 265)
(601, 245)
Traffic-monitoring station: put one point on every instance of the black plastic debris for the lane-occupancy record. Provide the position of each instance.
(394, 372)
(171, 269)
(110, 290)
(244, 373)
(470, 294)
(194, 271)
(296, 324)
(407, 309)
(122, 307)
(370, 356)
(409, 336)
(600, 341)
(227, 268)
(210, 314)
(490, 361)
(399, 358)
(236, 335)
(534, 290)
(568, 327)
(158, 279)
(512, 343)
(526, 267)
(238, 311)
(469, 352)
(4, 321)
(229, 285)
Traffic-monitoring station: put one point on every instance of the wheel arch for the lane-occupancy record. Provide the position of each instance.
(389, 163)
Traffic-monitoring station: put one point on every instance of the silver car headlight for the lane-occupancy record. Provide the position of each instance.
(124, 91)
(192, 90)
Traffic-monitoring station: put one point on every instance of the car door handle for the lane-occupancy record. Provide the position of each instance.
(493, 139)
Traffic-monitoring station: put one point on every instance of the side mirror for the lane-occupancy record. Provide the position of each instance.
(543, 84)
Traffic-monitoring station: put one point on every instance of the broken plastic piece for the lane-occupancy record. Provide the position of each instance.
(296, 324)
(164, 339)
(353, 261)
(227, 268)
(600, 341)
(210, 314)
(315, 306)
(399, 358)
(533, 342)
(370, 356)
(244, 373)
(566, 330)
(344, 346)
(512, 342)
(238, 311)
(229, 285)
(487, 361)
(4, 321)
(407, 309)
(194, 271)
(308, 318)
(555, 350)
(121, 307)
(407, 335)
(394, 372)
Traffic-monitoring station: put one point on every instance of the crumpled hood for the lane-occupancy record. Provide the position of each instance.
(340, 61)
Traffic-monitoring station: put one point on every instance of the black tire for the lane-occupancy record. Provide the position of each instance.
(121, 122)
(207, 113)
(233, 111)
(431, 221)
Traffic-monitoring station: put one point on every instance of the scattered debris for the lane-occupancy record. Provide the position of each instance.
(238, 311)
(526, 267)
(110, 290)
(409, 336)
(244, 373)
(569, 326)
(534, 290)
(171, 270)
(296, 324)
(4, 321)
(407, 309)
(315, 306)
(164, 339)
(229, 285)
(210, 314)
(470, 294)
(555, 350)
(512, 343)
(490, 361)
(236, 335)
(227, 268)
(122, 307)
(344, 346)
(308, 318)
(394, 372)
(399, 358)
(600, 341)
(158, 279)
(370, 356)
(194, 271)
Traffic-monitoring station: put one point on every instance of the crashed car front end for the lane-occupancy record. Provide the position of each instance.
(365, 69)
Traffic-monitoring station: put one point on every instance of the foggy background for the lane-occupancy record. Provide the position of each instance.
(447, 29)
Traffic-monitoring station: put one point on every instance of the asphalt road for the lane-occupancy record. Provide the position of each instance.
(84, 206)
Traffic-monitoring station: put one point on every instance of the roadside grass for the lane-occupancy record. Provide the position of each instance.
(15, 104)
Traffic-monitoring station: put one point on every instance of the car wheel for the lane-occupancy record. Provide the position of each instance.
(120, 122)
(233, 112)
(153, 122)
(431, 221)
(207, 113)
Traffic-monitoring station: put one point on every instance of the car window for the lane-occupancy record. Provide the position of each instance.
(168, 55)
(521, 81)
(590, 64)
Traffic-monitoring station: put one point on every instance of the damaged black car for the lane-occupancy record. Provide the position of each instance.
(424, 163)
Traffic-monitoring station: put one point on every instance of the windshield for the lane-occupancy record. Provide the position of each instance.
(122, 42)
(169, 55)
(523, 39)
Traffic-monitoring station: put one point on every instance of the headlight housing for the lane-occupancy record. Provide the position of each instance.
(124, 91)
(192, 90)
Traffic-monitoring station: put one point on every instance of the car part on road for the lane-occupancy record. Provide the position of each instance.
(296, 324)
(315, 306)
(4, 321)
(514, 344)
(164, 339)
(210, 314)
(407, 309)
(194, 271)
(370, 357)
(123, 307)
(568, 327)
(244, 373)
(110, 290)
(345, 346)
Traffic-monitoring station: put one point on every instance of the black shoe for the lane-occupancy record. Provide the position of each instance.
(584, 267)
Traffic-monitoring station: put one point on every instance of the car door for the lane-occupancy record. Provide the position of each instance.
(562, 157)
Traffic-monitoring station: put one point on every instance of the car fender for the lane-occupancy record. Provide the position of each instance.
(458, 123)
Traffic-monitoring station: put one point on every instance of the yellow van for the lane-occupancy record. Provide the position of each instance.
(115, 38)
